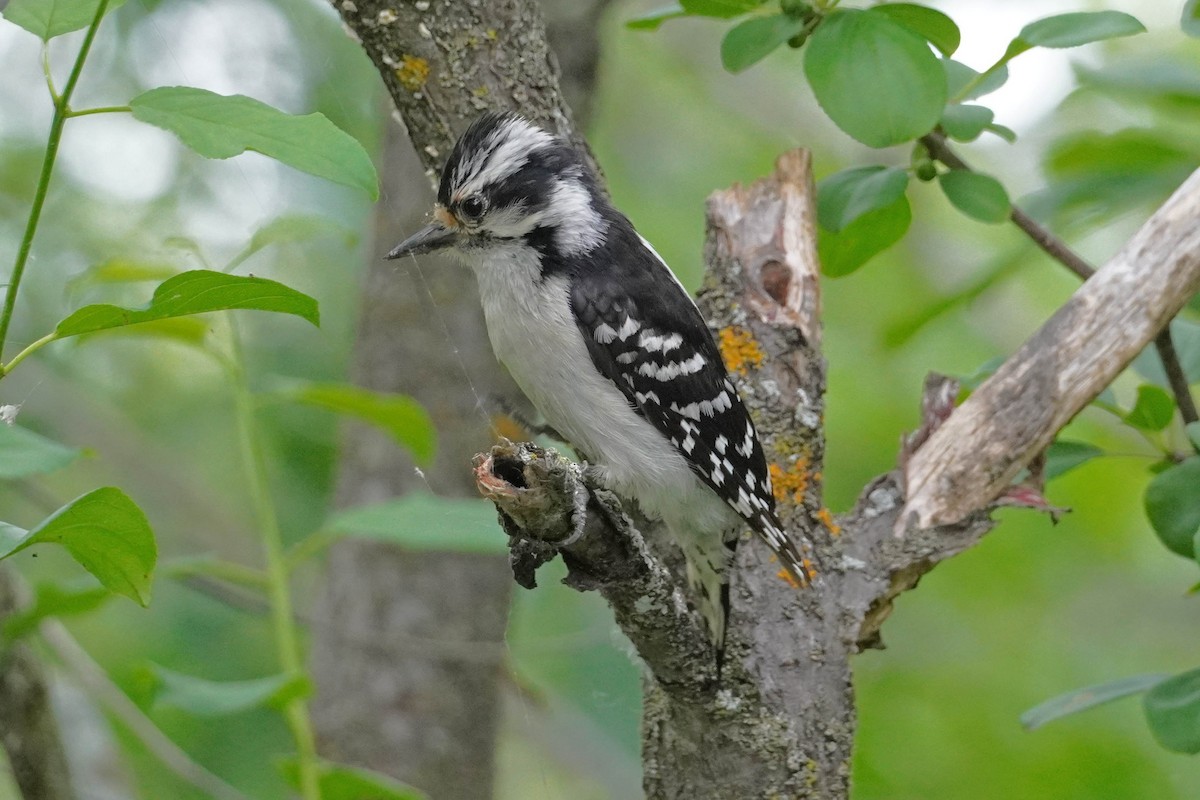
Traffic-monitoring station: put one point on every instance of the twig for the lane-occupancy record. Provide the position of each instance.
(1176, 377)
(1057, 249)
(97, 683)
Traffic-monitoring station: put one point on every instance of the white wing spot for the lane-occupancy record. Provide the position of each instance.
(691, 410)
(604, 333)
(629, 328)
(650, 342)
(642, 398)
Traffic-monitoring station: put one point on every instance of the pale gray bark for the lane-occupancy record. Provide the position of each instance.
(422, 703)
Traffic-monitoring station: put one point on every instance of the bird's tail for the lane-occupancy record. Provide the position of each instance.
(798, 568)
(710, 586)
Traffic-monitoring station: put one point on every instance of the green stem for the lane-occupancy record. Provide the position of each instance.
(61, 112)
(295, 712)
(46, 71)
(21, 356)
(100, 110)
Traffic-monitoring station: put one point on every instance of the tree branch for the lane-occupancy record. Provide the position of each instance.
(1061, 252)
(1014, 415)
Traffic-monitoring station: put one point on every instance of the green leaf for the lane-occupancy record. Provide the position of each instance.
(749, 42)
(959, 76)
(1087, 697)
(105, 532)
(206, 698)
(219, 126)
(120, 270)
(195, 292)
(1172, 710)
(206, 564)
(1193, 433)
(1079, 28)
(845, 196)
(53, 600)
(1064, 456)
(50, 18)
(401, 416)
(1189, 21)
(877, 80)
(343, 782)
(966, 122)
(291, 228)
(24, 453)
(842, 252)
(185, 330)
(1153, 410)
(1119, 154)
(724, 9)
(977, 195)
(652, 19)
(1172, 504)
(933, 26)
(1004, 132)
(422, 521)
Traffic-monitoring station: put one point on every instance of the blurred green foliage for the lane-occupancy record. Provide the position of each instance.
(1034, 611)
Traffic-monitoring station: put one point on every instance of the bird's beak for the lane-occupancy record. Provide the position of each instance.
(433, 236)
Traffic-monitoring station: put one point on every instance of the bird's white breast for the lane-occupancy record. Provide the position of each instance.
(534, 335)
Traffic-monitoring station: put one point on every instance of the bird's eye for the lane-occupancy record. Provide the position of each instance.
(472, 208)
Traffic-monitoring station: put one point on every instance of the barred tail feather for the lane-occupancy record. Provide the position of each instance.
(710, 587)
(784, 548)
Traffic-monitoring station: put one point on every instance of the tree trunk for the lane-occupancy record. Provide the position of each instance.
(422, 702)
(28, 730)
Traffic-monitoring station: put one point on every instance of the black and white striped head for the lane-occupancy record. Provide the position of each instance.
(508, 182)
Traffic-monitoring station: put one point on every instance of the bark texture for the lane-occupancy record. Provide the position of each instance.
(28, 729)
(408, 647)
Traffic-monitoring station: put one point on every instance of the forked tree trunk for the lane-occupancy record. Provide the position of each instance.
(780, 722)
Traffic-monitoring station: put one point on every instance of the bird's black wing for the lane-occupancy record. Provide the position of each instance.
(646, 335)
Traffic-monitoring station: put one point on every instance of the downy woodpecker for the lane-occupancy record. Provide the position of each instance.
(607, 344)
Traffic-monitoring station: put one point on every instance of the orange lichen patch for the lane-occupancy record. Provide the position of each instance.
(412, 72)
(826, 519)
(787, 576)
(789, 484)
(738, 349)
(810, 571)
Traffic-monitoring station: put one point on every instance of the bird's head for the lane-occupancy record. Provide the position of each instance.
(509, 183)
